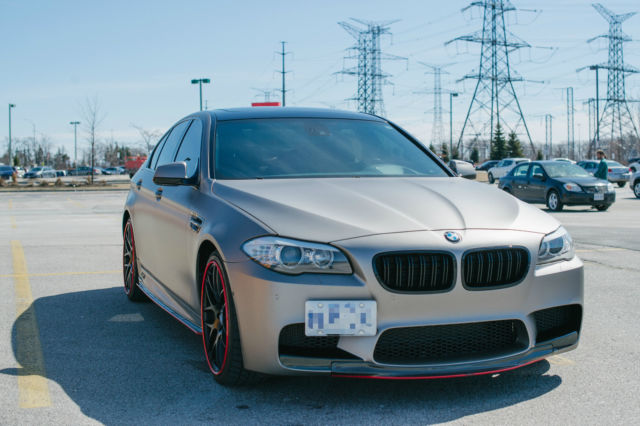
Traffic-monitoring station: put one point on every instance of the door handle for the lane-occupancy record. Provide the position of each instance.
(158, 194)
(139, 184)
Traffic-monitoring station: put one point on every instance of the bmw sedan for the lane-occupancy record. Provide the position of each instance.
(310, 241)
(557, 184)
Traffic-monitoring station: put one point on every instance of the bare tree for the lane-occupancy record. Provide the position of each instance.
(149, 137)
(92, 118)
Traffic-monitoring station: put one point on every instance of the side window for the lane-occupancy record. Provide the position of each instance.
(508, 162)
(521, 171)
(171, 145)
(536, 169)
(156, 152)
(189, 150)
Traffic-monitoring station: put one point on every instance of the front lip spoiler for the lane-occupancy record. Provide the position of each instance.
(367, 370)
(360, 369)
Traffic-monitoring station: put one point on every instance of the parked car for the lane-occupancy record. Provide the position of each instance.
(114, 171)
(634, 167)
(634, 160)
(566, 160)
(487, 165)
(503, 167)
(80, 171)
(6, 172)
(310, 241)
(463, 168)
(634, 182)
(61, 173)
(132, 164)
(558, 183)
(40, 173)
(20, 170)
(617, 173)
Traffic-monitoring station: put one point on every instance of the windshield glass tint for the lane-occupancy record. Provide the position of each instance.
(297, 147)
(562, 169)
(613, 164)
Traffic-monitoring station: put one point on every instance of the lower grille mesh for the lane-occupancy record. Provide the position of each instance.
(558, 321)
(293, 341)
(455, 342)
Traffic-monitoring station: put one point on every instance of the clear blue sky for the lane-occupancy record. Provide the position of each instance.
(138, 58)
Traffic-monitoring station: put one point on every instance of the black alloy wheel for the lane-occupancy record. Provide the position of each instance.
(636, 188)
(621, 184)
(220, 336)
(130, 265)
(491, 178)
(603, 207)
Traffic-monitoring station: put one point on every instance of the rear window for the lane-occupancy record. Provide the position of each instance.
(314, 147)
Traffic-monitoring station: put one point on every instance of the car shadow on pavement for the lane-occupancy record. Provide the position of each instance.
(123, 362)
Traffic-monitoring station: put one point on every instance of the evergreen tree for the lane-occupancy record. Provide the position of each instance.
(498, 144)
(513, 146)
(475, 154)
(432, 148)
(445, 153)
(539, 156)
(456, 153)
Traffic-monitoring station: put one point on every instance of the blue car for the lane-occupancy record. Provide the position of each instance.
(6, 172)
(558, 184)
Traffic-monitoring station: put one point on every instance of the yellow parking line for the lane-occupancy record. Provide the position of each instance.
(54, 274)
(10, 204)
(13, 222)
(32, 382)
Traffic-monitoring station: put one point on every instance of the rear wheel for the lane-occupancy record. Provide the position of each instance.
(130, 265)
(491, 178)
(220, 336)
(622, 184)
(636, 188)
(553, 201)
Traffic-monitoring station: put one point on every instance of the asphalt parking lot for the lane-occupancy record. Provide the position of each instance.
(74, 350)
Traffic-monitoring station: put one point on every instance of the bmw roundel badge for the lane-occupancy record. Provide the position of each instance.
(453, 237)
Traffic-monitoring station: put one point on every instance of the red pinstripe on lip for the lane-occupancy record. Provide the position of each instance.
(226, 319)
(450, 376)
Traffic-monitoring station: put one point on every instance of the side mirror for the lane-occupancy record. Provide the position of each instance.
(172, 174)
(538, 176)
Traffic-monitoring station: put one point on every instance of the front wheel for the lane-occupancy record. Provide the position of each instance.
(491, 178)
(220, 336)
(603, 207)
(636, 188)
(553, 201)
(621, 184)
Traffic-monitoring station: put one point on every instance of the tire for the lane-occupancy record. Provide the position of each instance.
(636, 188)
(603, 207)
(507, 190)
(621, 184)
(553, 201)
(130, 265)
(220, 335)
(491, 178)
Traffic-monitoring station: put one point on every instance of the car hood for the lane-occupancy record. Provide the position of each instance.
(582, 181)
(341, 208)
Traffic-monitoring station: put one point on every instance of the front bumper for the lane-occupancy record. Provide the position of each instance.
(585, 198)
(266, 302)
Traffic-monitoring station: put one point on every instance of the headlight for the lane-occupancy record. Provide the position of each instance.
(558, 245)
(572, 187)
(610, 187)
(296, 257)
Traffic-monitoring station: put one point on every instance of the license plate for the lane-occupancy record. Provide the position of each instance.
(340, 317)
(598, 197)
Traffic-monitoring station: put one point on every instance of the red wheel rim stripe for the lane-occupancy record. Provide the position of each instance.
(226, 319)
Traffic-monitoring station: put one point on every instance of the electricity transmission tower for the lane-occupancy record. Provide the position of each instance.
(494, 98)
(616, 120)
(437, 130)
(369, 69)
(283, 73)
(548, 140)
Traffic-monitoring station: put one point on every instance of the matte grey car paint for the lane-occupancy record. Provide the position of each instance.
(363, 217)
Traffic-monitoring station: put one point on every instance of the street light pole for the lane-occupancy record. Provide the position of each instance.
(597, 138)
(75, 142)
(451, 96)
(10, 158)
(200, 81)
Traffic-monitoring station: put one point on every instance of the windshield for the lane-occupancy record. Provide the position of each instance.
(36, 169)
(562, 169)
(613, 164)
(313, 147)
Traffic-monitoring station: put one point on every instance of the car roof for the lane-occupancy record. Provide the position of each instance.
(288, 112)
